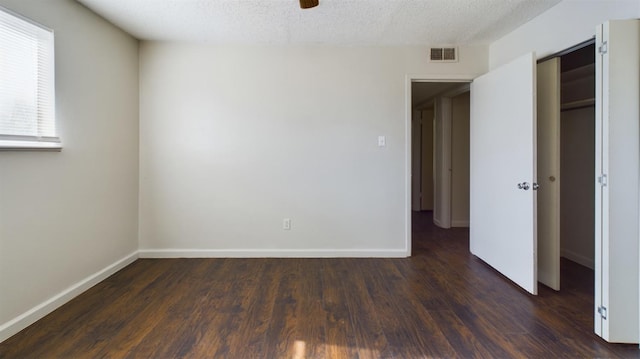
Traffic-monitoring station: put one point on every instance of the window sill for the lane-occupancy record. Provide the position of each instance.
(6, 145)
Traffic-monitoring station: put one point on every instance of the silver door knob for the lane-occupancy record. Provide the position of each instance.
(535, 186)
(524, 185)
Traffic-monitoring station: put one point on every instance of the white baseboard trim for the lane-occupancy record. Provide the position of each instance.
(459, 223)
(272, 253)
(578, 258)
(24, 320)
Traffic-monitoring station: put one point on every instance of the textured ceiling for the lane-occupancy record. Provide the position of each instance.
(342, 22)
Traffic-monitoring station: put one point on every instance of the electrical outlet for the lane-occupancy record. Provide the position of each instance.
(286, 224)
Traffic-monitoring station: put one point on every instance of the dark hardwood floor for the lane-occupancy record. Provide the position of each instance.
(440, 303)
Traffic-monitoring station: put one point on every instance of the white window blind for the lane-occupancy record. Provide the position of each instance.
(27, 98)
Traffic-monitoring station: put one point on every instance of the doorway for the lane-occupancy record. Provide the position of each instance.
(565, 161)
(440, 151)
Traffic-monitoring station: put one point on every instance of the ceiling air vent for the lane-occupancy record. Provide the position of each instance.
(443, 54)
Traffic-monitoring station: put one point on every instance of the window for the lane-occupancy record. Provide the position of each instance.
(27, 99)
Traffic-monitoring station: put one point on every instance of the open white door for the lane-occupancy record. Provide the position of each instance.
(617, 185)
(503, 171)
(548, 119)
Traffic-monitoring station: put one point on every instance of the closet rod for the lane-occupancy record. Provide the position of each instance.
(579, 104)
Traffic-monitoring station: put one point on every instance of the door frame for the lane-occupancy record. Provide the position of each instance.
(409, 79)
(617, 164)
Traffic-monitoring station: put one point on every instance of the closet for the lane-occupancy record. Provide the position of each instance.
(565, 161)
(596, 178)
(577, 151)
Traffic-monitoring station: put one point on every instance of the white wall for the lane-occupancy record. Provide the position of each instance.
(442, 162)
(564, 25)
(234, 139)
(460, 116)
(426, 160)
(66, 216)
(416, 159)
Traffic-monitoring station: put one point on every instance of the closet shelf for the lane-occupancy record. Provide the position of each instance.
(580, 73)
(572, 105)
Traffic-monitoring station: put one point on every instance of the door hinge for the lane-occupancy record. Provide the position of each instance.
(602, 180)
(603, 48)
(603, 312)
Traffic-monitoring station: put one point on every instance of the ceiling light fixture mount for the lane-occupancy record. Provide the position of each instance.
(307, 4)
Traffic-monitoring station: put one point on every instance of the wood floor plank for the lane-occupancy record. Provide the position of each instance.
(310, 332)
(183, 318)
(459, 336)
(403, 318)
(214, 323)
(341, 341)
(528, 346)
(238, 301)
(492, 338)
(363, 314)
(436, 344)
(144, 321)
(280, 336)
(257, 316)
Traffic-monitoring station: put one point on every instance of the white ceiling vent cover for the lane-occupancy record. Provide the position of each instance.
(443, 54)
